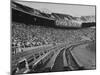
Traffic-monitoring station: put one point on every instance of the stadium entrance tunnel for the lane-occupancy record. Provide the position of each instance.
(88, 24)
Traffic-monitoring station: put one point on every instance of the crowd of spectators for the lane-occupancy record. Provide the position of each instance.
(68, 23)
(24, 36)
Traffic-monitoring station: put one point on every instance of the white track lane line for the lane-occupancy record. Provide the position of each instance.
(64, 59)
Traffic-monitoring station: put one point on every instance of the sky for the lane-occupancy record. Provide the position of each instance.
(74, 10)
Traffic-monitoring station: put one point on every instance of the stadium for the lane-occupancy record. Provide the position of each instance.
(43, 42)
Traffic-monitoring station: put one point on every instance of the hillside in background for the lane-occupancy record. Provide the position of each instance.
(60, 19)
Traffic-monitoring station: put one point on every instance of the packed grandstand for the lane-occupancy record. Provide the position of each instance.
(31, 35)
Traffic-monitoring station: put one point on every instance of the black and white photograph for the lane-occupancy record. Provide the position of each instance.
(52, 37)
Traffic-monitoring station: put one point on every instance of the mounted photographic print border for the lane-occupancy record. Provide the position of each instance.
(52, 37)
